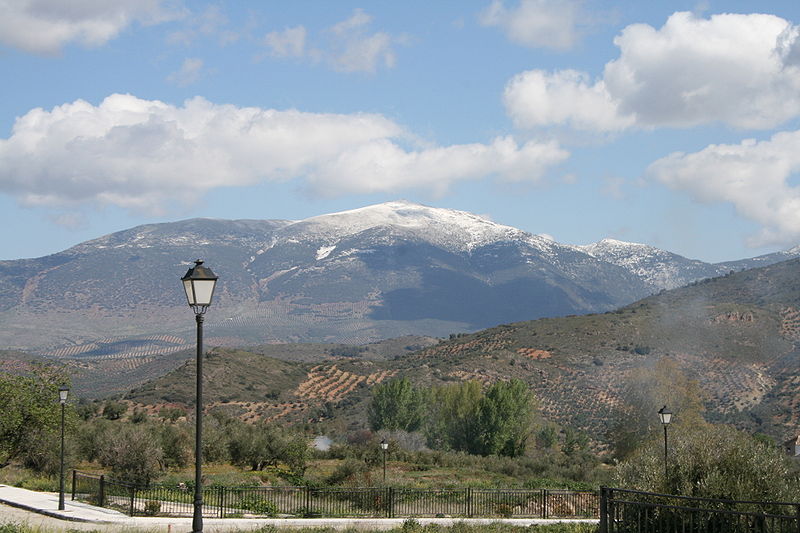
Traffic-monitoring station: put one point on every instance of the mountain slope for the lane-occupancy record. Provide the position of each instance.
(377, 272)
(737, 335)
(358, 276)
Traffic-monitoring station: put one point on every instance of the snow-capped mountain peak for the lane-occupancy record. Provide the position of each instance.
(449, 228)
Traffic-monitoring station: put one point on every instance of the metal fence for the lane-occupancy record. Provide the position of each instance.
(229, 502)
(629, 511)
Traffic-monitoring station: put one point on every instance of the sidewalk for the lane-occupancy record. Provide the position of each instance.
(46, 503)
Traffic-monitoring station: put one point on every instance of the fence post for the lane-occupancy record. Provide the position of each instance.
(544, 503)
(797, 517)
(102, 496)
(74, 474)
(468, 501)
(133, 498)
(390, 502)
(605, 492)
(221, 500)
(308, 501)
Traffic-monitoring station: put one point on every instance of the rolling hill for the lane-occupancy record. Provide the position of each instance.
(736, 334)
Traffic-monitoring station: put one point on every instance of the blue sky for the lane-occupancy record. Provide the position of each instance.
(675, 124)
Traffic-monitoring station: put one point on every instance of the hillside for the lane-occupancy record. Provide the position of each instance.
(736, 334)
(354, 277)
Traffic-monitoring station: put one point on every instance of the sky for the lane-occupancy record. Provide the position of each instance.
(674, 124)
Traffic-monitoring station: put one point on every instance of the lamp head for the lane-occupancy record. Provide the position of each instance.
(384, 444)
(63, 391)
(199, 283)
(665, 415)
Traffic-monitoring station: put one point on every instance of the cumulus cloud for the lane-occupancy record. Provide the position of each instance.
(45, 26)
(755, 177)
(537, 98)
(349, 45)
(146, 154)
(536, 23)
(742, 70)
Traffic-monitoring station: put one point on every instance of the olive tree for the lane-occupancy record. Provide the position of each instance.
(711, 461)
(30, 410)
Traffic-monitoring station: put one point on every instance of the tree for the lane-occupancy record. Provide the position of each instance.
(504, 419)
(113, 409)
(29, 410)
(711, 461)
(133, 453)
(452, 413)
(397, 404)
(259, 446)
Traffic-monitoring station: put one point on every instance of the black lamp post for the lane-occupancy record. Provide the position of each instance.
(199, 283)
(63, 391)
(665, 415)
(384, 447)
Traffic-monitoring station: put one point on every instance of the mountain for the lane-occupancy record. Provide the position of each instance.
(658, 268)
(377, 272)
(738, 335)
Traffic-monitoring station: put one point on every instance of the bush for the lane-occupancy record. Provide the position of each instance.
(258, 505)
(152, 507)
(711, 461)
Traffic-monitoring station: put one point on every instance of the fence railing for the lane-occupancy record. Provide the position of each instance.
(229, 502)
(628, 511)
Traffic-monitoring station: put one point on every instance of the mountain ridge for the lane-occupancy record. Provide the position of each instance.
(356, 276)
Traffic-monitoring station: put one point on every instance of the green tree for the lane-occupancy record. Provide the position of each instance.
(504, 419)
(176, 445)
(397, 404)
(711, 461)
(29, 410)
(133, 453)
(452, 413)
(113, 409)
(259, 446)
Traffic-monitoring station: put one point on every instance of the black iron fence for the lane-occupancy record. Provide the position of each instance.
(629, 511)
(230, 502)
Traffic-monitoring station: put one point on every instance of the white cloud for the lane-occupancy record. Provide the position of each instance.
(383, 166)
(752, 176)
(536, 23)
(536, 98)
(291, 42)
(210, 23)
(349, 46)
(146, 154)
(190, 72)
(45, 26)
(742, 70)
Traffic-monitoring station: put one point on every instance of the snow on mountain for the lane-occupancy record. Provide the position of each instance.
(659, 268)
(450, 229)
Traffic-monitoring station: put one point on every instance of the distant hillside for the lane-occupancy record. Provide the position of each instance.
(354, 277)
(736, 334)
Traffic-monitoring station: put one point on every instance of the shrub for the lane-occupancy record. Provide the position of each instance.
(152, 507)
(711, 461)
(258, 505)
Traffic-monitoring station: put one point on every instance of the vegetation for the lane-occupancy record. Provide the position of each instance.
(458, 417)
(29, 423)
(712, 461)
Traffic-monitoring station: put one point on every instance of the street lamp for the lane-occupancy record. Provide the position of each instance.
(666, 417)
(63, 391)
(199, 283)
(384, 447)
